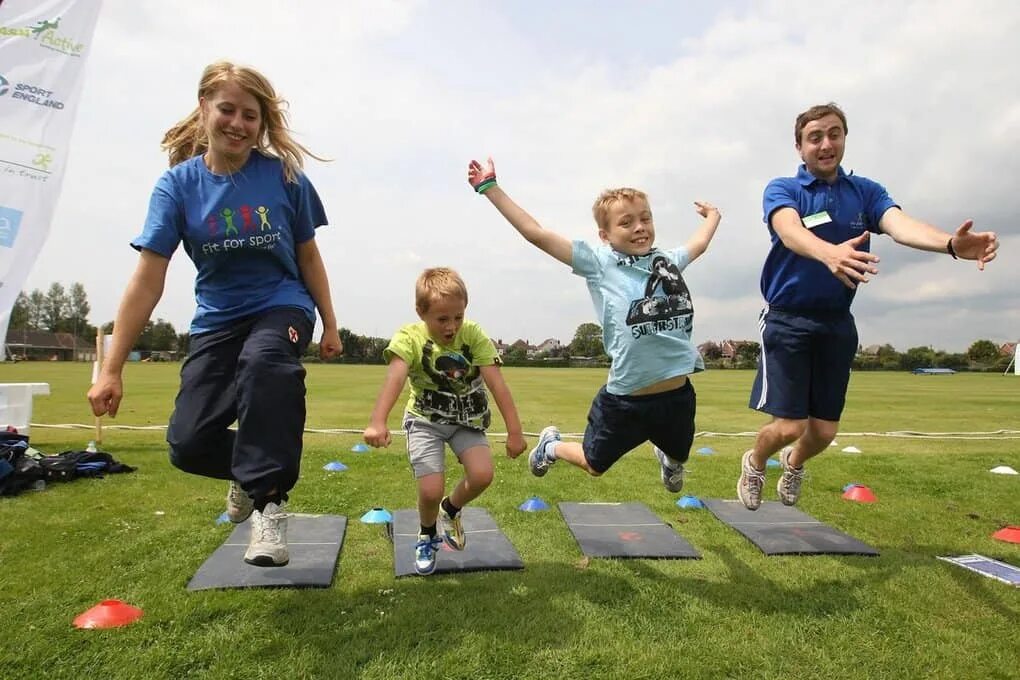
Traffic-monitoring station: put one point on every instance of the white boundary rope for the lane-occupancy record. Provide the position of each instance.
(899, 434)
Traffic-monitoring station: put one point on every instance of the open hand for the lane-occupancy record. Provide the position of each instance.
(970, 245)
(705, 208)
(479, 175)
(850, 265)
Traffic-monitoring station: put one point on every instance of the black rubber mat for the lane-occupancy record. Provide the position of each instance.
(623, 530)
(486, 548)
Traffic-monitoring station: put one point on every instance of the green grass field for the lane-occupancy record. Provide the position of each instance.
(734, 613)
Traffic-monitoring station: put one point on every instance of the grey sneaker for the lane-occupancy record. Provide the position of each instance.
(452, 529)
(671, 472)
(750, 483)
(537, 460)
(788, 487)
(267, 546)
(239, 503)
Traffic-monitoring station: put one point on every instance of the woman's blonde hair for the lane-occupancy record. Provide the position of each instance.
(187, 138)
(437, 283)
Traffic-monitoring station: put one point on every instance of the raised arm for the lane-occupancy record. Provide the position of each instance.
(844, 260)
(377, 433)
(483, 179)
(140, 297)
(313, 271)
(966, 244)
(698, 243)
(493, 377)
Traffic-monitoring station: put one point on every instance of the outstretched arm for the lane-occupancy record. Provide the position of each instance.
(483, 179)
(966, 244)
(377, 433)
(844, 260)
(140, 297)
(698, 243)
(493, 377)
(313, 271)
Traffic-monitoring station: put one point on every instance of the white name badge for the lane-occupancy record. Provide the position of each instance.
(816, 220)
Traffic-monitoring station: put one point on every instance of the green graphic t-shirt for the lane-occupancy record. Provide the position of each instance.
(446, 384)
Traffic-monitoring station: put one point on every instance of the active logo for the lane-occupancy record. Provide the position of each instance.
(45, 33)
(29, 93)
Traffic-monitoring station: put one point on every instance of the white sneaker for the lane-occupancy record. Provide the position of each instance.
(268, 544)
(788, 487)
(750, 483)
(239, 503)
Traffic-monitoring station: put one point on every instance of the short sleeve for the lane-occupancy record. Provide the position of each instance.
(164, 223)
(778, 194)
(309, 214)
(876, 202)
(401, 345)
(585, 260)
(483, 350)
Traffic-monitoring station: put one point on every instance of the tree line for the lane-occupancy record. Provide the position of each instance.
(60, 310)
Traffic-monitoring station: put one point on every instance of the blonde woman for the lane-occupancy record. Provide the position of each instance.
(236, 197)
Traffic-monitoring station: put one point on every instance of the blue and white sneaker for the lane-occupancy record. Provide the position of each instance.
(425, 553)
(671, 472)
(537, 460)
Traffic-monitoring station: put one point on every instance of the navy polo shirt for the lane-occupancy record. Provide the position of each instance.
(834, 212)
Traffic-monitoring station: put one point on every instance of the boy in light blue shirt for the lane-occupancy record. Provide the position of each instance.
(646, 314)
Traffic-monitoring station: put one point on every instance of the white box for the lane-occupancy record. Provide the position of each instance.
(16, 404)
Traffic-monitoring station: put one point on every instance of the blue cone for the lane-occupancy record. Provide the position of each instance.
(772, 462)
(533, 504)
(360, 448)
(377, 516)
(222, 519)
(690, 503)
(334, 466)
(706, 451)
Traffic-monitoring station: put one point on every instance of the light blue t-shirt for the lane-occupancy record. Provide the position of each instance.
(645, 311)
(240, 230)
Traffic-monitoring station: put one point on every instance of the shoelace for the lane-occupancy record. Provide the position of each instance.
(755, 478)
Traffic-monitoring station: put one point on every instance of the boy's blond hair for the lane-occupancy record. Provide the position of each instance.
(436, 283)
(600, 209)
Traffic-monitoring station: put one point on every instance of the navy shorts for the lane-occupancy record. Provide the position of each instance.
(805, 362)
(619, 423)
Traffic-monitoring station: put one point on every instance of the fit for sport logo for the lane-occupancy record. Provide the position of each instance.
(45, 33)
(27, 92)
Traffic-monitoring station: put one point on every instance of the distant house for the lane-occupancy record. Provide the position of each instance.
(548, 345)
(729, 348)
(501, 347)
(528, 348)
(45, 346)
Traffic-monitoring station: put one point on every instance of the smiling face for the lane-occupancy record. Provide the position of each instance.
(443, 317)
(628, 227)
(232, 120)
(821, 146)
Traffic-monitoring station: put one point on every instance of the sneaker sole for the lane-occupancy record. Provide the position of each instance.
(242, 519)
(265, 561)
(453, 546)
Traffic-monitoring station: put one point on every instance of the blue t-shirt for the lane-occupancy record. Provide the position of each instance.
(839, 212)
(646, 313)
(240, 230)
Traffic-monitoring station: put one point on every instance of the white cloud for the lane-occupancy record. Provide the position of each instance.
(402, 95)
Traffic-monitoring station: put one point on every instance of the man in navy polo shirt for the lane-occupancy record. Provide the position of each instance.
(820, 222)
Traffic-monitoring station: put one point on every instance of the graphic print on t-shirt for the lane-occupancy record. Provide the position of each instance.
(670, 310)
(460, 395)
(224, 235)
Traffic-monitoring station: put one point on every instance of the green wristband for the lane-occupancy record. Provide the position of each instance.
(486, 185)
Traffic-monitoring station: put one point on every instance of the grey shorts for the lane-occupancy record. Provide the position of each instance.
(426, 443)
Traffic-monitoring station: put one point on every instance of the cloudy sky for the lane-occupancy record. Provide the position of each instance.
(687, 100)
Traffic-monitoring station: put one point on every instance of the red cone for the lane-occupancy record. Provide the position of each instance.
(861, 494)
(108, 614)
(1008, 534)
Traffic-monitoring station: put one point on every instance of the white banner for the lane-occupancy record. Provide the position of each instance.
(43, 46)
